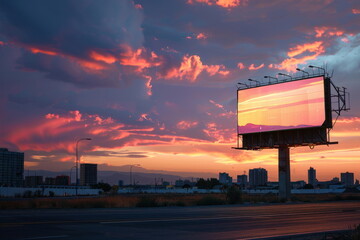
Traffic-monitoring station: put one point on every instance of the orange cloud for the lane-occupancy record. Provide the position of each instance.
(91, 65)
(201, 36)
(51, 125)
(327, 31)
(186, 124)
(107, 58)
(240, 65)
(97, 61)
(47, 52)
(216, 104)
(221, 135)
(290, 64)
(2, 43)
(191, 67)
(253, 68)
(144, 117)
(138, 58)
(87, 65)
(355, 11)
(230, 3)
(310, 47)
(221, 3)
(349, 120)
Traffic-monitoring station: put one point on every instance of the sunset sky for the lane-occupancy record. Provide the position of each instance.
(153, 82)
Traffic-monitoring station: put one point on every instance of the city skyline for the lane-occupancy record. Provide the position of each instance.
(154, 83)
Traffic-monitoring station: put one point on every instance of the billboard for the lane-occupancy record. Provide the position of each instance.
(290, 105)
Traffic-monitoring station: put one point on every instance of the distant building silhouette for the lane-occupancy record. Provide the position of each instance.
(312, 176)
(335, 180)
(88, 174)
(242, 180)
(298, 184)
(224, 178)
(33, 181)
(120, 183)
(11, 168)
(258, 177)
(347, 179)
(62, 180)
(49, 181)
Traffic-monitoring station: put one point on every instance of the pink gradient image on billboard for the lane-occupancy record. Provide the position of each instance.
(291, 105)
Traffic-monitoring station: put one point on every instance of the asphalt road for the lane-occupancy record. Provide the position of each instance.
(214, 222)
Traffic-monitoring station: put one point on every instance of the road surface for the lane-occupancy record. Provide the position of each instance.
(213, 222)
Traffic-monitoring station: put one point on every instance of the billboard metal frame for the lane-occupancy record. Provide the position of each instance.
(311, 136)
(284, 139)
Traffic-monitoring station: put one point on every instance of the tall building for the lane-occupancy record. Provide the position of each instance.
(88, 174)
(258, 177)
(224, 178)
(11, 168)
(242, 180)
(33, 181)
(312, 176)
(347, 179)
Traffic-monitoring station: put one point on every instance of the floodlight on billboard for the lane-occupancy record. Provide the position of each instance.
(290, 105)
(288, 114)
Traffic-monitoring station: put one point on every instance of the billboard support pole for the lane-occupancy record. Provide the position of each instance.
(284, 173)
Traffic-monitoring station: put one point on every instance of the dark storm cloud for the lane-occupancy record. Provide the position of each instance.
(73, 27)
(64, 34)
(59, 68)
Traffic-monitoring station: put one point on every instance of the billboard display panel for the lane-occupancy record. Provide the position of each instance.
(290, 105)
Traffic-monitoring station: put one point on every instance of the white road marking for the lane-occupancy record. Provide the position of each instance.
(214, 218)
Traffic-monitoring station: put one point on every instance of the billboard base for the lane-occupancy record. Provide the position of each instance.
(284, 173)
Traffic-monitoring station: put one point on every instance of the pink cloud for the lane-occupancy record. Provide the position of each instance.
(345, 40)
(253, 68)
(148, 85)
(107, 58)
(186, 124)
(327, 31)
(221, 135)
(201, 36)
(298, 55)
(240, 65)
(216, 104)
(139, 58)
(191, 67)
(310, 47)
(49, 126)
(355, 11)
(138, 6)
(221, 3)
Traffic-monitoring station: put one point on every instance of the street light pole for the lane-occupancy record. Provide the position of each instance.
(283, 74)
(253, 80)
(131, 166)
(300, 70)
(320, 68)
(270, 77)
(77, 161)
